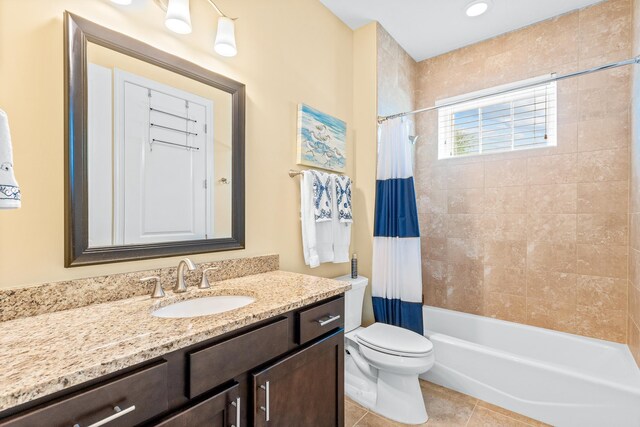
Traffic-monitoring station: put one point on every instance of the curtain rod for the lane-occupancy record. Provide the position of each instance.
(554, 78)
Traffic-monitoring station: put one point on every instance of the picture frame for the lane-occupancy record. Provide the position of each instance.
(321, 140)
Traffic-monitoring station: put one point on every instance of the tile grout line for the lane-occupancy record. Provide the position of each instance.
(360, 419)
(508, 416)
(472, 412)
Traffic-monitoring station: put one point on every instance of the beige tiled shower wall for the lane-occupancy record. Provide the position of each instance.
(539, 236)
(634, 204)
(397, 75)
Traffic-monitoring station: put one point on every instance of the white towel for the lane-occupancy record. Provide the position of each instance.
(317, 237)
(343, 198)
(9, 189)
(322, 196)
(341, 228)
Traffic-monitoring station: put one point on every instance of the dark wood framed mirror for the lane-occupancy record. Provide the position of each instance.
(154, 151)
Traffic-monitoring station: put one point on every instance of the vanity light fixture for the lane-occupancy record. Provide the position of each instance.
(477, 8)
(225, 43)
(178, 18)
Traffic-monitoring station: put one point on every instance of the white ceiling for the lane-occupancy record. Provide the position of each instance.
(427, 28)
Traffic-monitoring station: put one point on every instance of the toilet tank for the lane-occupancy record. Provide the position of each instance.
(353, 300)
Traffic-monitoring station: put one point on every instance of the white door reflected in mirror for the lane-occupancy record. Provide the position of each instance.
(159, 144)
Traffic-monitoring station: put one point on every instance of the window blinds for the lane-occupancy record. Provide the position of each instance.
(515, 120)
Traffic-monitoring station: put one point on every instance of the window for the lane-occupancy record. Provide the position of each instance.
(481, 123)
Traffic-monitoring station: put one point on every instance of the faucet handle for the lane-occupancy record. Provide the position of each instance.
(204, 283)
(158, 292)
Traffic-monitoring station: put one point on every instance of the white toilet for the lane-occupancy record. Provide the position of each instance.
(382, 362)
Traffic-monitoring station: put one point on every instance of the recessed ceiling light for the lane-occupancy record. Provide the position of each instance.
(477, 8)
(122, 2)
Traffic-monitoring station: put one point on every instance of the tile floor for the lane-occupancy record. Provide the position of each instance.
(445, 408)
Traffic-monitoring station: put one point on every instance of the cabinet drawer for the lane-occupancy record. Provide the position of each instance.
(145, 391)
(222, 362)
(319, 320)
(221, 410)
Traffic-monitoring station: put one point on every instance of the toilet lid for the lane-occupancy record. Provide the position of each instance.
(394, 340)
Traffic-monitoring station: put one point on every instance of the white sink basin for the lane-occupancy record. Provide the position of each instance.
(202, 306)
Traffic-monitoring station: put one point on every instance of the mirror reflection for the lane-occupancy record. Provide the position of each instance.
(158, 154)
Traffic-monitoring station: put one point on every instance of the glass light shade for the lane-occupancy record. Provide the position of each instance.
(122, 2)
(225, 37)
(178, 18)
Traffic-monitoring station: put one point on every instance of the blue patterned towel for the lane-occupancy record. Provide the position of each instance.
(343, 197)
(9, 189)
(322, 196)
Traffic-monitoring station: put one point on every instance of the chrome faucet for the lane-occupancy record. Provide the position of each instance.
(180, 285)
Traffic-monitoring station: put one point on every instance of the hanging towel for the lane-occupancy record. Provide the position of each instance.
(317, 237)
(342, 185)
(341, 220)
(9, 189)
(322, 196)
(396, 273)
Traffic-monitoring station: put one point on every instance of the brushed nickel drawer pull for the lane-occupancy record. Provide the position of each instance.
(266, 390)
(236, 404)
(328, 320)
(118, 413)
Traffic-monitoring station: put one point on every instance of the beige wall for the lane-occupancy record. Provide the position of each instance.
(289, 52)
(634, 199)
(537, 237)
(364, 107)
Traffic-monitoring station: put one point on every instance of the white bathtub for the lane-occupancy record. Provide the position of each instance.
(554, 377)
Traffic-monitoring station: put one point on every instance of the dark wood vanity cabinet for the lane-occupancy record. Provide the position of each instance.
(284, 371)
(127, 400)
(220, 410)
(303, 389)
(213, 365)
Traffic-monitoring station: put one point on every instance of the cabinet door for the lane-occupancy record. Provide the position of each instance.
(303, 389)
(220, 410)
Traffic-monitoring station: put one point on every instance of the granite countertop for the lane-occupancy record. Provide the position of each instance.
(50, 352)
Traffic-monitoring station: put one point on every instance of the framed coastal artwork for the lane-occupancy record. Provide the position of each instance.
(322, 140)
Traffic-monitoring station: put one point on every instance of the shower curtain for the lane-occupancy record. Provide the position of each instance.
(397, 276)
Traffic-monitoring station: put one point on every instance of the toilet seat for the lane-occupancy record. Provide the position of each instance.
(394, 341)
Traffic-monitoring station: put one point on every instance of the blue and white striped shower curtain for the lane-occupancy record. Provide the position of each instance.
(397, 275)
